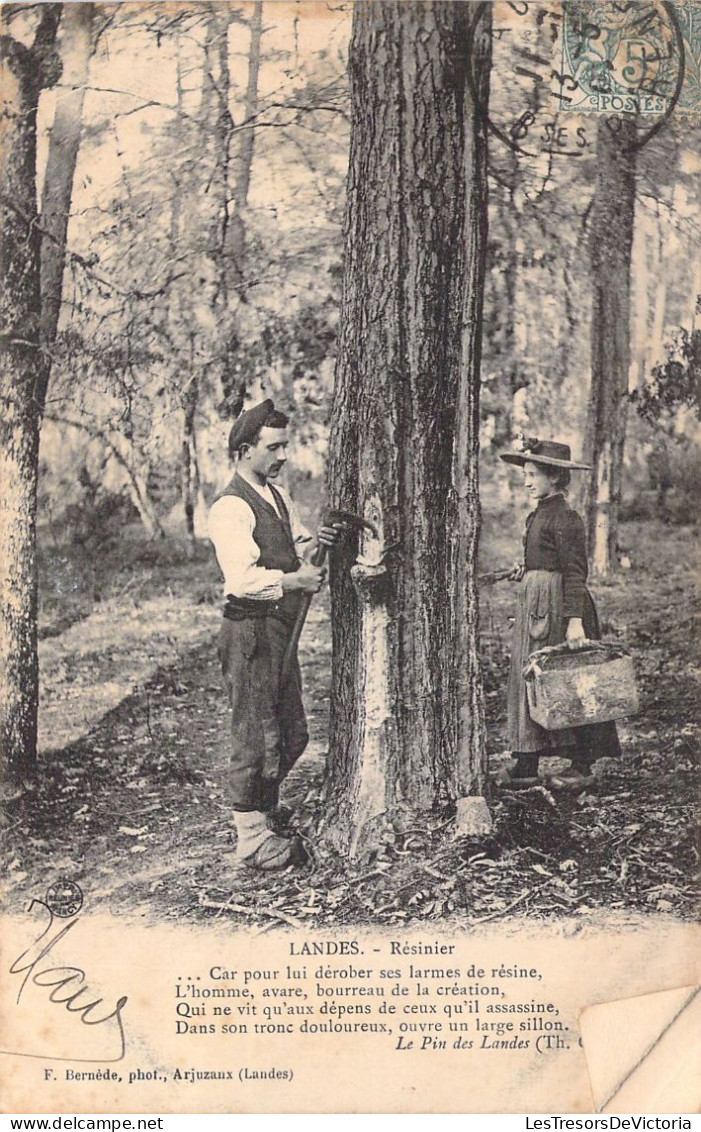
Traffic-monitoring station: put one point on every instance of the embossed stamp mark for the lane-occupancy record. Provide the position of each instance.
(64, 898)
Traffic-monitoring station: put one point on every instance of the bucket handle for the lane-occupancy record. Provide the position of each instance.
(535, 658)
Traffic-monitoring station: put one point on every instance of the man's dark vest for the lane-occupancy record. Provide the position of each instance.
(273, 534)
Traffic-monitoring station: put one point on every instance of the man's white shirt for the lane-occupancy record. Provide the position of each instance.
(231, 526)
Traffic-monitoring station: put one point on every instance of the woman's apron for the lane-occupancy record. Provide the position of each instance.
(539, 622)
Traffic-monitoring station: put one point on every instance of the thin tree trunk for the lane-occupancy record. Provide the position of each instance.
(466, 690)
(406, 371)
(234, 152)
(611, 242)
(121, 449)
(236, 248)
(659, 319)
(190, 480)
(228, 243)
(641, 264)
(665, 265)
(23, 73)
(215, 112)
(78, 43)
(511, 222)
(190, 466)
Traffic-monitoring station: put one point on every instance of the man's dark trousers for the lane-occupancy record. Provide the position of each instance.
(268, 725)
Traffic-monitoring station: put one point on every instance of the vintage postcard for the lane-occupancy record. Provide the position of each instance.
(350, 466)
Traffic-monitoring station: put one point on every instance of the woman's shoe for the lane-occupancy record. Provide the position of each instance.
(571, 779)
(519, 783)
(509, 777)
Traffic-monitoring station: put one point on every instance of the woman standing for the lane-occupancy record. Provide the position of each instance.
(554, 605)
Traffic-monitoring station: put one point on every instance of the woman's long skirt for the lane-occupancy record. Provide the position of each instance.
(539, 622)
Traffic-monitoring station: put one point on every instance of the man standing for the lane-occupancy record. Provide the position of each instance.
(261, 545)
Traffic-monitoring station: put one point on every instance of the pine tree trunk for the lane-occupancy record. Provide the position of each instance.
(19, 456)
(78, 34)
(236, 246)
(642, 269)
(215, 105)
(23, 73)
(190, 466)
(190, 479)
(466, 692)
(406, 723)
(610, 244)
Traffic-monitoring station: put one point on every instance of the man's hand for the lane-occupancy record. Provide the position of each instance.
(309, 579)
(330, 535)
(517, 572)
(575, 636)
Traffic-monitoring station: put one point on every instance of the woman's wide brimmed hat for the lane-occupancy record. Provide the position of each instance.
(546, 452)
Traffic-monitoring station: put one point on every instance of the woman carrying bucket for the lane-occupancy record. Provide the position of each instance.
(554, 605)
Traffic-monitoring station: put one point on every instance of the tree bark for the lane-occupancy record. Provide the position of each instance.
(505, 307)
(610, 247)
(78, 42)
(23, 73)
(234, 152)
(190, 479)
(236, 233)
(644, 264)
(406, 722)
(466, 691)
(191, 486)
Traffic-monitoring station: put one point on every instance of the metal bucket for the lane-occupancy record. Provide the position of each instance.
(573, 687)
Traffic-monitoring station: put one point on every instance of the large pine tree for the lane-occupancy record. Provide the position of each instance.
(407, 726)
(610, 245)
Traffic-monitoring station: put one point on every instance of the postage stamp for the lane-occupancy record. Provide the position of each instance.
(623, 57)
(688, 13)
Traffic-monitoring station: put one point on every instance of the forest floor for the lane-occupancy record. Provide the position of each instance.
(131, 798)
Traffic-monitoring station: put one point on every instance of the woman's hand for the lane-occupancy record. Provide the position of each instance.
(575, 635)
(517, 572)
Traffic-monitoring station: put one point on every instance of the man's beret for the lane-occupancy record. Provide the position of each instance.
(249, 423)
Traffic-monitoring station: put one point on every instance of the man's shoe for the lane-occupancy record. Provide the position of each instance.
(275, 853)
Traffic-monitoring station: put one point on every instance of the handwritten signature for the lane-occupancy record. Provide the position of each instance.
(68, 986)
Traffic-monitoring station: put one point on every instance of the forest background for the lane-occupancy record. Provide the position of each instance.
(203, 272)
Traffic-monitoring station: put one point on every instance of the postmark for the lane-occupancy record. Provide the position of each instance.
(557, 67)
(64, 898)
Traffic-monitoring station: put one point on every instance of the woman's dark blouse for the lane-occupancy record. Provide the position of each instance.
(554, 540)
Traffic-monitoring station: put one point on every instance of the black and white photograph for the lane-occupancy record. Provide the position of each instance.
(349, 450)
